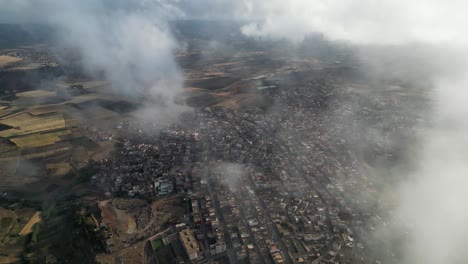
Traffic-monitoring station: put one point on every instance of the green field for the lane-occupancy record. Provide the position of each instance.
(157, 244)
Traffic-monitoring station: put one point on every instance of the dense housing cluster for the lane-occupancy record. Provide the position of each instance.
(277, 186)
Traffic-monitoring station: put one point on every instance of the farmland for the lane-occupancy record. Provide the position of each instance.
(58, 169)
(28, 228)
(36, 93)
(49, 131)
(39, 139)
(44, 109)
(52, 133)
(25, 123)
(15, 226)
(5, 60)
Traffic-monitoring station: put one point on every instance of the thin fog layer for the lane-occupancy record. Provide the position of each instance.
(434, 202)
(127, 41)
(434, 199)
(133, 47)
(363, 21)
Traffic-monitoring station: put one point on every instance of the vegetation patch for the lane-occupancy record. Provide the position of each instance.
(6, 222)
(157, 244)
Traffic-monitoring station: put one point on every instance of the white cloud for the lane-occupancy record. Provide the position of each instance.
(129, 41)
(134, 52)
(363, 21)
(434, 200)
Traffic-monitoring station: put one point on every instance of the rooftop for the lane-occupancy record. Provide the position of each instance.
(189, 241)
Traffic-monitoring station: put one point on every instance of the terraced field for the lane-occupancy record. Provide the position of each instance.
(25, 123)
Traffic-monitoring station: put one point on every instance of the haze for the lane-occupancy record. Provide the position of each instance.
(173, 58)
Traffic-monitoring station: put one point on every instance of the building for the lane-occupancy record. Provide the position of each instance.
(190, 243)
(218, 248)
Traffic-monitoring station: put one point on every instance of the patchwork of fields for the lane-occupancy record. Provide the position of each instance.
(48, 128)
(16, 229)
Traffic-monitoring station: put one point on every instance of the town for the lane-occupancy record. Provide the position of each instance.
(275, 186)
(225, 132)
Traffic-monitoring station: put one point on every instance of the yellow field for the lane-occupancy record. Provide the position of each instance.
(4, 111)
(39, 139)
(58, 169)
(36, 93)
(5, 60)
(41, 110)
(46, 153)
(36, 218)
(26, 123)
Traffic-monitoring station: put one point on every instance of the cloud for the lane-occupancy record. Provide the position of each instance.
(363, 22)
(433, 200)
(230, 174)
(128, 41)
(433, 204)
